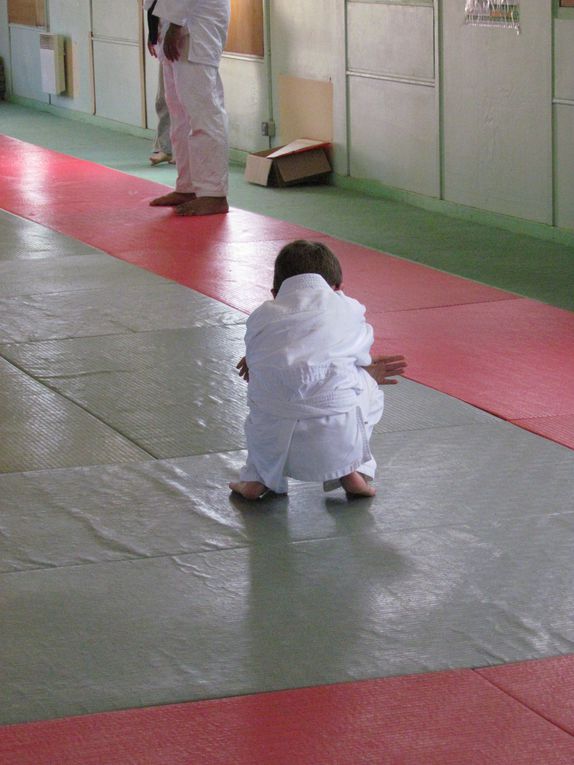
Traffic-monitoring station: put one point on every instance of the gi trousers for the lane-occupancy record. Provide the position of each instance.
(199, 127)
(314, 449)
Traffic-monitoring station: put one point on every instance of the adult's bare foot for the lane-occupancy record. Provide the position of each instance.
(173, 199)
(249, 489)
(356, 486)
(203, 206)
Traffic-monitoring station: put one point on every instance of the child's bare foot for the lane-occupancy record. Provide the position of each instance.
(356, 485)
(173, 199)
(249, 489)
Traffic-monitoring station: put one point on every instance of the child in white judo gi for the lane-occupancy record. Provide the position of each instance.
(313, 386)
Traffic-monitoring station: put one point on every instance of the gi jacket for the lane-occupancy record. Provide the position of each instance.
(206, 22)
(305, 351)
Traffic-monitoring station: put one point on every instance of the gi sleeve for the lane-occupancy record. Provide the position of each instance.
(361, 336)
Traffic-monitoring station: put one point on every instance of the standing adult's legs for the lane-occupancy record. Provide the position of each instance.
(162, 151)
(179, 132)
(200, 92)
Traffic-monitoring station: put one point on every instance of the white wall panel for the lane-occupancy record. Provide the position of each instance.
(5, 40)
(116, 18)
(71, 18)
(245, 84)
(565, 166)
(564, 122)
(302, 38)
(25, 63)
(497, 113)
(117, 77)
(393, 40)
(564, 66)
(393, 134)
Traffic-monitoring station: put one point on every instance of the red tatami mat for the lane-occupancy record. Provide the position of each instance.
(545, 686)
(510, 356)
(445, 718)
(514, 358)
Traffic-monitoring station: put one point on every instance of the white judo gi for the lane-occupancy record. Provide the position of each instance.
(194, 94)
(312, 406)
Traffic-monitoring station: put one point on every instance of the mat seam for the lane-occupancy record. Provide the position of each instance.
(478, 671)
(79, 406)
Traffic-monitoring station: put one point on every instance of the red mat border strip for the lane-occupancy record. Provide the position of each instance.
(442, 718)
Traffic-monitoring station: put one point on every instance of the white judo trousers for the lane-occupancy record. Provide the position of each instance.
(194, 94)
(312, 405)
(199, 132)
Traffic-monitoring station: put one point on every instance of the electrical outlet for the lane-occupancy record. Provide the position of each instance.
(268, 128)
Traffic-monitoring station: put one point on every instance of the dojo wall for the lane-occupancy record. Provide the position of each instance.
(482, 118)
(498, 114)
(563, 109)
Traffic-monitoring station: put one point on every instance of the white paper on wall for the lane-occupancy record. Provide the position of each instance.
(493, 13)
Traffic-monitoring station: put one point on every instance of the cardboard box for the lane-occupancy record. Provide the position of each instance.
(300, 161)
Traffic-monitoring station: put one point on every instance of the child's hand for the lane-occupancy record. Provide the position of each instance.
(384, 367)
(243, 369)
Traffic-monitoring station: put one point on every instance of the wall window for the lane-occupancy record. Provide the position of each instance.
(567, 3)
(246, 28)
(31, 13)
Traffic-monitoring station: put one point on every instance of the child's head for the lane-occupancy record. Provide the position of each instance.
(304, 257)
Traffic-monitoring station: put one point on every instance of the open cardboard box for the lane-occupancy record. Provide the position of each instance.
(301, 160)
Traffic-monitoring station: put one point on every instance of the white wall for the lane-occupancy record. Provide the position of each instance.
(393, 104)
(245, 82)
(118, 61)
(564, 122)
(25, 63)
(497, 113)
(5, 40)
(71, 18)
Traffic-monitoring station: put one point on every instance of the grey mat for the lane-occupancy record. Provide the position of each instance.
(21, 239)
(114, 310)
(74, 272)
(411, 406)
(148, 509)
(145, 584)
(176, 392)
(172, 392)
(118, 512)
(269, 617)
(40, 429)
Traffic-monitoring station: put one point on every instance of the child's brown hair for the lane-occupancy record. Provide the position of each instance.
(304, 257)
